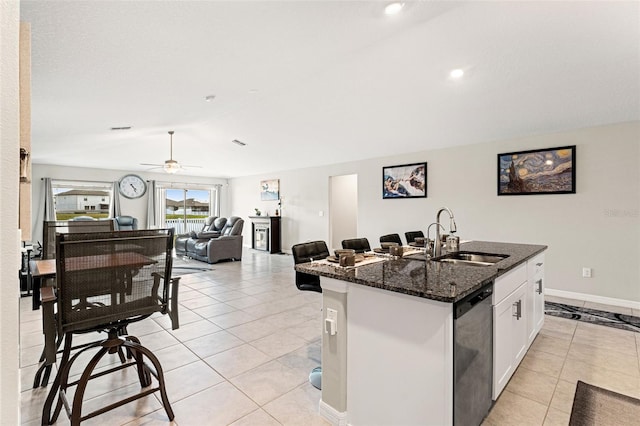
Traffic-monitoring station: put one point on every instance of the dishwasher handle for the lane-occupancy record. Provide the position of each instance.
(480, 297)
(465, 305)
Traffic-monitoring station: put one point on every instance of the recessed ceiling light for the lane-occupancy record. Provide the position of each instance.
(253, 91)
(393, 8)
(209, 98)
(457, 73)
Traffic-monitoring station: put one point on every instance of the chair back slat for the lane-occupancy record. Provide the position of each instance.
(391, 238)
(53, 227)
(360, 245)
(412, 235)
(107, 277)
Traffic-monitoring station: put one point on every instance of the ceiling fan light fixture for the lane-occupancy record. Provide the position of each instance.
(393, 8)
(171, 166)
(456, 74)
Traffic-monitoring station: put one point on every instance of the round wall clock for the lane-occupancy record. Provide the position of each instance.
(132, 186)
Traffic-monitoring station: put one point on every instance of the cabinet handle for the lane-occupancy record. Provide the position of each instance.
(539, 264)
(518, 306)
(539, 282)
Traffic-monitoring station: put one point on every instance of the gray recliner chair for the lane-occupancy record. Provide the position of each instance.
(226, 246)
(126, 223)
(212, 228)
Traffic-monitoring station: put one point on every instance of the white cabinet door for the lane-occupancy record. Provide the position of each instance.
(538, 304)
(531, 320)
(510, 341)
(535, 293)
(520, 338)
(503, 366)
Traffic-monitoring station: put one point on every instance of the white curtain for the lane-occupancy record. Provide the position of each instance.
(151, 205)
(49, 206)
(114, 208)
(216, 201)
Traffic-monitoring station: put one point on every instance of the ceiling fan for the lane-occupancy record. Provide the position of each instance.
(170, 166)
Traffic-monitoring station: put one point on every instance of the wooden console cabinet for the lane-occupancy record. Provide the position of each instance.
(265, 233)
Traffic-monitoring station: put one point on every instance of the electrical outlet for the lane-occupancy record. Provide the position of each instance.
(586, 272)
(331, 322)
(332, 314)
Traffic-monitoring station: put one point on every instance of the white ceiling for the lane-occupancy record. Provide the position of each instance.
(306, 83)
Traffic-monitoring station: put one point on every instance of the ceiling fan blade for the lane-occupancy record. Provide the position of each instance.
(150, 164)
(193, 167)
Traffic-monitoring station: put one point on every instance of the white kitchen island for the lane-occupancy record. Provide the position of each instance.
(391, 359)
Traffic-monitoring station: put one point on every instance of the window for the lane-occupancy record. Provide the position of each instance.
(80, 198)
(186, 208)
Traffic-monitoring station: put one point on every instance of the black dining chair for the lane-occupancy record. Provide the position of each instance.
(101, 287)
(303, 253)
(306, 252)
(391, 238)
(360, 245)
(412, 235)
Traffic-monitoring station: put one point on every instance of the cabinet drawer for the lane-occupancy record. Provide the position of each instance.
(535, 266)
(507, 283)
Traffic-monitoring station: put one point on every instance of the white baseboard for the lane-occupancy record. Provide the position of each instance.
(333, 416)
(593, 298)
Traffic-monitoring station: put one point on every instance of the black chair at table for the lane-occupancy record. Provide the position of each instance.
(91, 277)
(391, 238)
(360, 245)
(79, 224)
(412, 235)
(302, 253)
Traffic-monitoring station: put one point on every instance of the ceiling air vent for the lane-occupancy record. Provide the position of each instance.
(121, 128)
(237, 142)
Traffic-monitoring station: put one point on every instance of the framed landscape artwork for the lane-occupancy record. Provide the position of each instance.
(405, 181)
(270, 190)
(540, 171)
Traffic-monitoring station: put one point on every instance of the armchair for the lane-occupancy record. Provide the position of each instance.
(212, 228)
(126, 223)
(227, 246)
(219, 239)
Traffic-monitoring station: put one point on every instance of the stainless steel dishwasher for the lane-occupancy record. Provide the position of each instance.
(472, 357)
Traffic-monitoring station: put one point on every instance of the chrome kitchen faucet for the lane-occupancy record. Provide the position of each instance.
(437, 244)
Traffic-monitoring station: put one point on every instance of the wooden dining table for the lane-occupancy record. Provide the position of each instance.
(46, 268)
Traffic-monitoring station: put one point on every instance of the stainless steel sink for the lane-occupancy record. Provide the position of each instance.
(471, 258)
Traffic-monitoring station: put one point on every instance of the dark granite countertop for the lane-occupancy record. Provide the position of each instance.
(414, 276)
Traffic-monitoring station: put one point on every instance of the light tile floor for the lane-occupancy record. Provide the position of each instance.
(248, 340)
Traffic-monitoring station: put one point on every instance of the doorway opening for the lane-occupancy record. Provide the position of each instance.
(343, 209)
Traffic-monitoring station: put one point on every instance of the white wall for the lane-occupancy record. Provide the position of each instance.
(598, 227)
(136, 208)
(9, 243)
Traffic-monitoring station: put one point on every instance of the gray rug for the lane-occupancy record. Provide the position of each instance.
(597, 406)
(594, 316)
(189, 266)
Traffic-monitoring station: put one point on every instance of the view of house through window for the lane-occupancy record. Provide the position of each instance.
(186, 209)
(72, 199)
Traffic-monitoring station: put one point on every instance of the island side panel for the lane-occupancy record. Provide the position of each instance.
(399, 359)
(333, 405)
